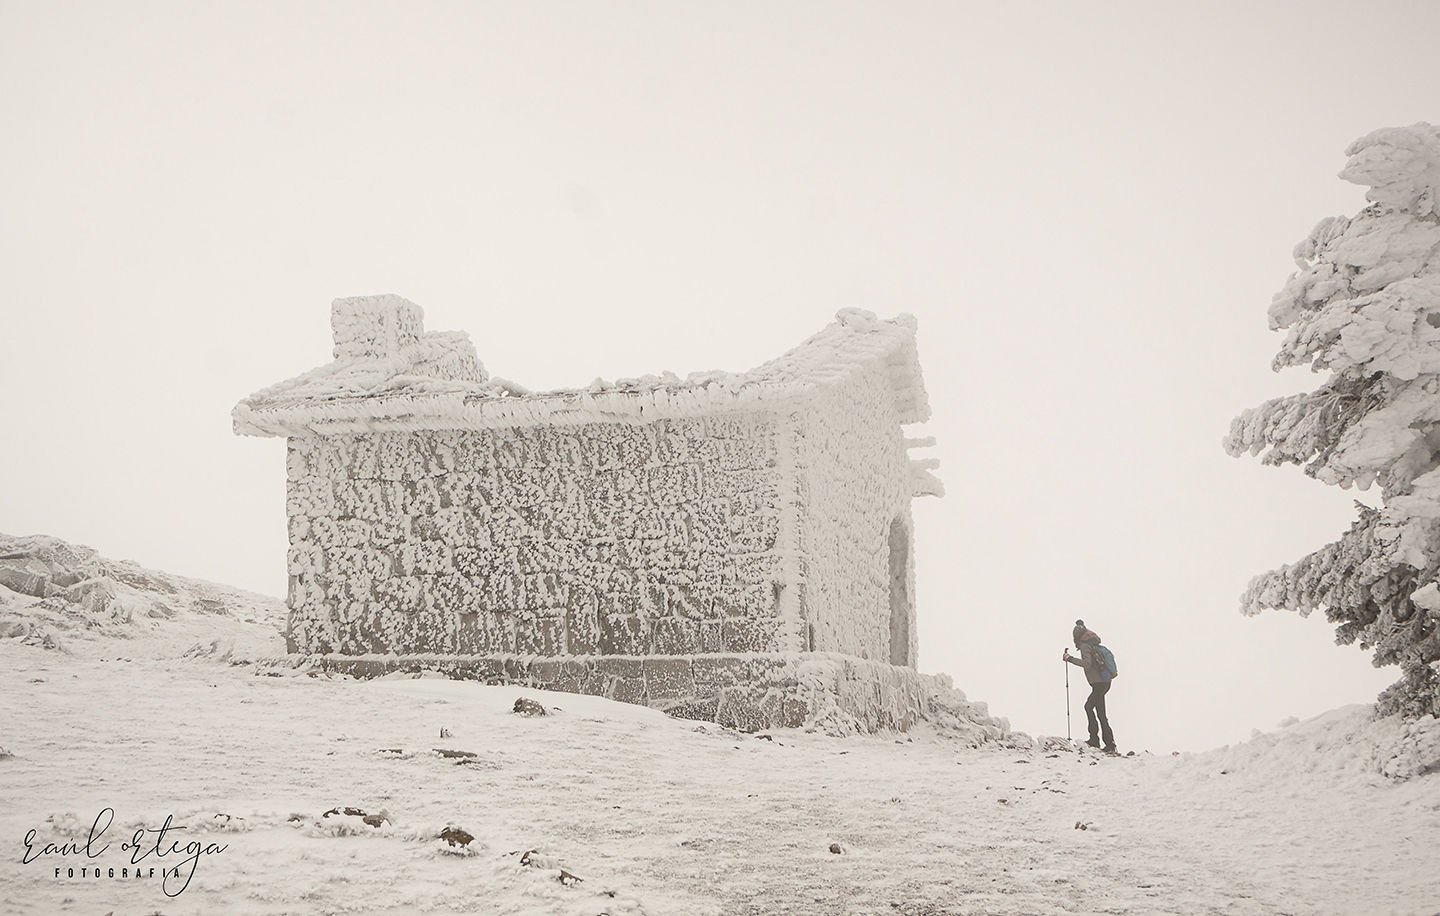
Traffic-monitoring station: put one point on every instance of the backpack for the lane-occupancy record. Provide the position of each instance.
(1107, 658)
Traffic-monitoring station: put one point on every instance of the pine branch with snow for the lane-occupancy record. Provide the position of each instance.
(1365, 306)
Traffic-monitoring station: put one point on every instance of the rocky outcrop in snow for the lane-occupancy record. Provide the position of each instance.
(52, 591)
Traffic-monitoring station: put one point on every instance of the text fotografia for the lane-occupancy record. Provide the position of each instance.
(149, 851)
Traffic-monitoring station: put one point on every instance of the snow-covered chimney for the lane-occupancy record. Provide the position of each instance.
(374, 326)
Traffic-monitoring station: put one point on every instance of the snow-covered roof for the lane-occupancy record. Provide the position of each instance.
(390, 374)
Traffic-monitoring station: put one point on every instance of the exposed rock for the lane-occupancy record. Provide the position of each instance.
(50, 585)
(222, 650)
(26, 576)
(479, 762)
(528, 707)
(445, 752)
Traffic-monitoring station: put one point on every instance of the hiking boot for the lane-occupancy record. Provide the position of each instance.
(1093, 742)
(1110, 749)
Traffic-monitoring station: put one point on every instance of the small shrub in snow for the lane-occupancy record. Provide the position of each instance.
(226, 823)
(533, 858)
(456, 836)
(347, 821)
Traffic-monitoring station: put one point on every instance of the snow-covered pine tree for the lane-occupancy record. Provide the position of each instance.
(1365, 306)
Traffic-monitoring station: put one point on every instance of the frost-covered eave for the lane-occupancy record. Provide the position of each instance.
(408, 412)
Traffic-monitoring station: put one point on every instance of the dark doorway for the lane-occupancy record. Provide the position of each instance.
(902, 607)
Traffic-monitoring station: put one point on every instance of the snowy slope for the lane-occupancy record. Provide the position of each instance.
(655, 815)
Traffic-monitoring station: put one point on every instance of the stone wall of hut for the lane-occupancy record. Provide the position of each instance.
(674, 537)
(854, 521)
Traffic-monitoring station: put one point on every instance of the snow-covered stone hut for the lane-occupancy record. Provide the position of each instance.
(730, 546)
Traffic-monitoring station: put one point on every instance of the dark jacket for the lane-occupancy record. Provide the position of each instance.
(1090, 660)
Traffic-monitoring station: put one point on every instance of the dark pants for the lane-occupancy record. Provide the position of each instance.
(1095, 710)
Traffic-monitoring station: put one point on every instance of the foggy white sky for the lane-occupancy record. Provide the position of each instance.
(1087, 207)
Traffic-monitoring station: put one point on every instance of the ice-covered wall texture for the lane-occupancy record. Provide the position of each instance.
(437, 512)
(600, 539)
(855, 528)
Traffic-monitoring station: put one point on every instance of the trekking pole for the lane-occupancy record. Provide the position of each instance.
(1067, 699)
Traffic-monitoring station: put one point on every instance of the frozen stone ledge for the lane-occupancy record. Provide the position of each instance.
(829, 692)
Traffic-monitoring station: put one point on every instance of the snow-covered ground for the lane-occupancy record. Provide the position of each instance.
(652, 815)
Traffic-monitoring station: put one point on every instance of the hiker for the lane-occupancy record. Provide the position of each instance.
(1088, 642)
